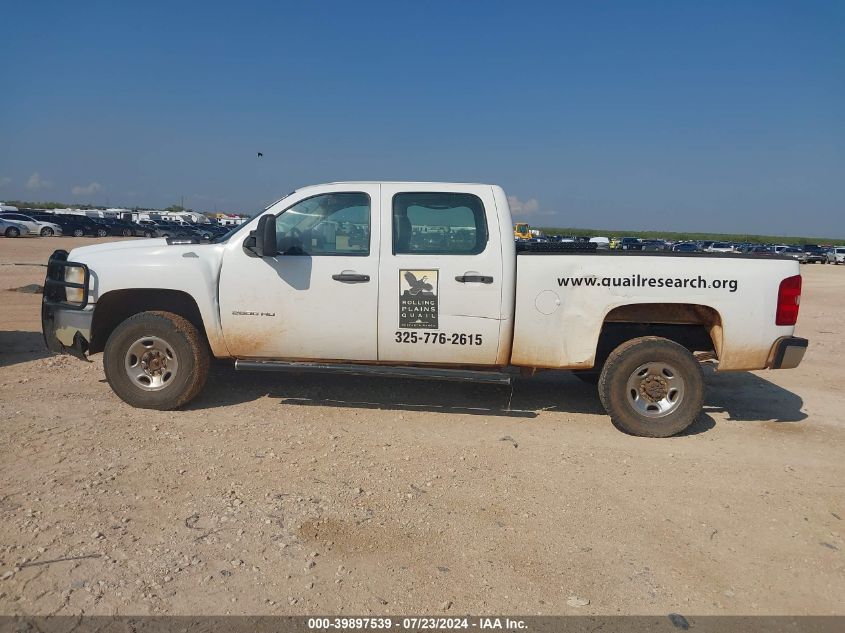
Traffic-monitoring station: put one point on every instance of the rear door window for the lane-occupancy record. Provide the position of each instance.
(432, 223)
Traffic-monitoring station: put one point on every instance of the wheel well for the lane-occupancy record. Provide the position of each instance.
(696, 327)
(114, 307)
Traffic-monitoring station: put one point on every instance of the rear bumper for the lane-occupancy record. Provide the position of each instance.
(787, 352)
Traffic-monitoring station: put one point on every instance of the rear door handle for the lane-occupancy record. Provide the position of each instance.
(474, 279)
(351, 278)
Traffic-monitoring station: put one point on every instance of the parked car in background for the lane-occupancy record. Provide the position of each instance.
(685, 247)
(762, 250)
(795, 253)
(719, 247)
(653, 245)
(123, 228)
(33, 225)
(836, 255)
(13, 228)
(815, 254)
(602, 243)
(79, 225)
(631, 244)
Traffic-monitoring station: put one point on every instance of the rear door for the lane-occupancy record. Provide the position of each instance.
(440, 275)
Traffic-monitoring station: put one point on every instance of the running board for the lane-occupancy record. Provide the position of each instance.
(389, 371)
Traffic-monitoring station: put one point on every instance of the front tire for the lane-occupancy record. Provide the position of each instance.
(156, 360)
(652, 387)
(102, 233)
(46, 232)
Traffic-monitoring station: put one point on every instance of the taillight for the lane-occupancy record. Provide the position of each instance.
(789, 299)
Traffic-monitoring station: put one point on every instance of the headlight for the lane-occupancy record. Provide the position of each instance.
(75, 275)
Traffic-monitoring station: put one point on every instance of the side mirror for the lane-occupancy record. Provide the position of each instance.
(262, 241)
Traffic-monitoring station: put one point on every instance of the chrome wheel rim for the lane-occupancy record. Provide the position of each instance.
(655, 389)
(151, 363)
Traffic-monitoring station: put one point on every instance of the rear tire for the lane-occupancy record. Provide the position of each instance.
(78, 233)
(12, 232)
(127, 232)
(652, 387)
(148, 346)
(102, 233)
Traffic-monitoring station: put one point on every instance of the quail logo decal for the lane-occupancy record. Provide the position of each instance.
(418, 299)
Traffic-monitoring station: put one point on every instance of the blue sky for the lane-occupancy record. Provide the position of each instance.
(721, 116)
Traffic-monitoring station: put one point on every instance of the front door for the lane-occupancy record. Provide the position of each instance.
(440, 275)
(318, 298)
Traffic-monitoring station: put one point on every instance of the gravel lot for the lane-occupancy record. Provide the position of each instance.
(277, 494)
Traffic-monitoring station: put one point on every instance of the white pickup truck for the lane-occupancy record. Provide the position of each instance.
(420, 280)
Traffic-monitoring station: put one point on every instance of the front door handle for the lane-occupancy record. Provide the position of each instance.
(351, 278)
(474, 279)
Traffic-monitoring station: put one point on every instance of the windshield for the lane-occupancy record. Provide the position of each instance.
(225, 236)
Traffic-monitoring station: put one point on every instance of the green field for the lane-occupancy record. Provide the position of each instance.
(683, 237)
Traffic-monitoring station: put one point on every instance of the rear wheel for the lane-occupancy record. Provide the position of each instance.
(156, 360)
(102, 233)
(652, 387)
(78, 232)
(127, 232)
(12, 232)
(147, 234)
(46, 232)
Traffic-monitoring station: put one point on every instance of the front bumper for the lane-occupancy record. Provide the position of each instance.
(66, 325)
(787, 352)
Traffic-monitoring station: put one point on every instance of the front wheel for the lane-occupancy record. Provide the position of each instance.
(127, 232)
(156, 360)
(46, 232)
(652, 387)
(102, 233)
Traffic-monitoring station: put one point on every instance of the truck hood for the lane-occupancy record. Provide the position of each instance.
(149, 245)
(149, 252)
(151, 263)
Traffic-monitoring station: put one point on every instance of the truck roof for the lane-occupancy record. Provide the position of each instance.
(404, 183)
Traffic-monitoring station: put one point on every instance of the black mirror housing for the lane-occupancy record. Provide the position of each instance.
(265, 237)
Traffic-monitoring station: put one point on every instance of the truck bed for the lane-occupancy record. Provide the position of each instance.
(563, 299)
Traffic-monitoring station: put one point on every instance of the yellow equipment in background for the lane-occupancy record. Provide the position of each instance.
(522, 231)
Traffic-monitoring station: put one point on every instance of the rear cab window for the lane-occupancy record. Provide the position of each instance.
(433, 223)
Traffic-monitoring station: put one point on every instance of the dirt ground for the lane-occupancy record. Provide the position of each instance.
(279, 494)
